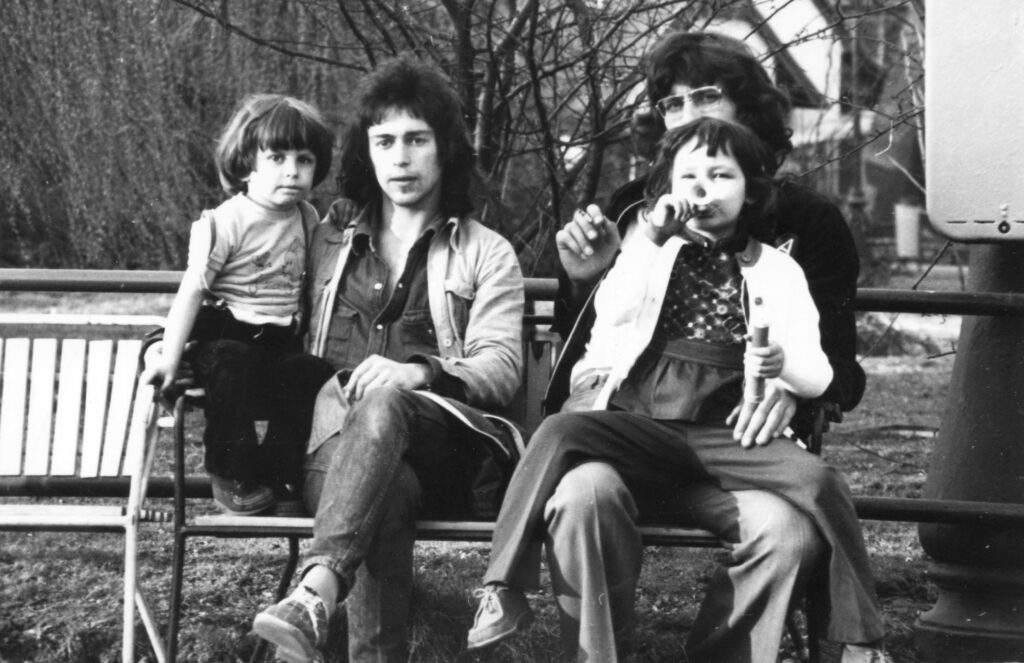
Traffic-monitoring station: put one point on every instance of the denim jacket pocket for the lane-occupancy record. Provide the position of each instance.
(417, 330)
(329, 414)
(460, 296)
(343, 322)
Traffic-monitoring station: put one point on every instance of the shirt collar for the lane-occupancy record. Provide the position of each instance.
(363, 231)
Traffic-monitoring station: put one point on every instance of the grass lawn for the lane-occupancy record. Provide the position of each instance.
(60, 593)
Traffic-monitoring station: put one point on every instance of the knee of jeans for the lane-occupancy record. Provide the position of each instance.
(379, 407)
(223, 353)
(593, 489)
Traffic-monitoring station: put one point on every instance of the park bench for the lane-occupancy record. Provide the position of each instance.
(73, 424)
(131, 483)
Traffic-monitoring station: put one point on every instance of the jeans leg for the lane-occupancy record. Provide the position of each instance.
(379, 604)
(773, 550)
(293, 385)
(360, 465)
(594, 556)
(232, 374)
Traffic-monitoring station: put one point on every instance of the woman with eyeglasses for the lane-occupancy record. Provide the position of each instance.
(591, 534)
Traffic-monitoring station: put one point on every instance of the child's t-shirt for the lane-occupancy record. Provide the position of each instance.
(251, 258)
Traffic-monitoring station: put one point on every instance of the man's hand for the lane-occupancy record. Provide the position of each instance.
(760, 423)
(376, 371)
(587, 244)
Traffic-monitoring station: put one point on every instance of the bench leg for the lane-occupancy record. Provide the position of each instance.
(174, 607)
(130, 575)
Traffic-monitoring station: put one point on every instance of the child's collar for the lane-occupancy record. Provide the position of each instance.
(749, 256)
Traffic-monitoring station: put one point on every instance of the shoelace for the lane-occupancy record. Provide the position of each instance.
(310, 600)
(488, 597)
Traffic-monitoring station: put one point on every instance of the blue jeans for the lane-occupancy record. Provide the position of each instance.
(398, 456)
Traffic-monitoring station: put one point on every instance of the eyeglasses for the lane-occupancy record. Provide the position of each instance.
(703, 99)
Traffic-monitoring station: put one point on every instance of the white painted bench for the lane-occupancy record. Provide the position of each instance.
(74, 423)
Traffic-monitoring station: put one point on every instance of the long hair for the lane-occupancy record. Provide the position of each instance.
(754, 158)
(420, 89)
(270, 122)
(708, 58)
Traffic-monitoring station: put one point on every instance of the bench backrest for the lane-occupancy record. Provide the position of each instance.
(69, 402)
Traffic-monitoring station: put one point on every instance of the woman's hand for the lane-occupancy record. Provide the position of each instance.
(587, 244)
(760, 423)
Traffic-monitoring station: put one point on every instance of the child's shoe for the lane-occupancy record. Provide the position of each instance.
(288, 503)
(241, 498)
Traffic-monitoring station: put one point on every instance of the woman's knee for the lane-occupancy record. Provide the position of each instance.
(560, 426)
(592, 489)
(778, 528)
(823, 484)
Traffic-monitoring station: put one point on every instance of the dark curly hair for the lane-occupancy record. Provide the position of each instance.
(739, 142)
(708, 58)
(422, 90)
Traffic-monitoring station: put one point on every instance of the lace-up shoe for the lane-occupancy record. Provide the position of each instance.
(297, 625)
(502, 612)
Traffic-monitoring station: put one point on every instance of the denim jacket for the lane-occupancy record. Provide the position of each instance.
(475, 289)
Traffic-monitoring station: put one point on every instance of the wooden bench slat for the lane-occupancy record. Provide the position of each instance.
(68, 517)
(140, 429)
(12, 405)
(40, 406)
(121, 398)
(69, 407)
(97, 382)
(72, 510)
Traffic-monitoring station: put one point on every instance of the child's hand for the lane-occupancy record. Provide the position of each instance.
(159, 372)
(764, 362)
(667, 218)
